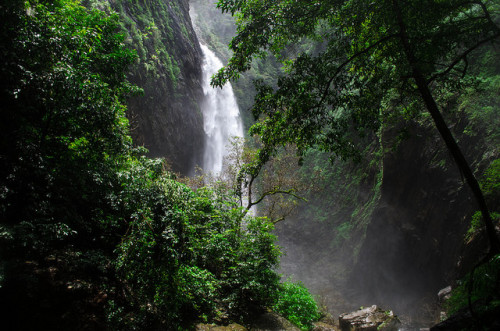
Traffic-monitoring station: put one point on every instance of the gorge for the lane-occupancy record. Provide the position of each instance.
(101, 228)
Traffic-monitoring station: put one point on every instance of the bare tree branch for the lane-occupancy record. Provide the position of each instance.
(462, 57)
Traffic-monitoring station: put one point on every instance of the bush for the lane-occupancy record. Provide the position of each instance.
(190, 256)
(296, 304)
(481, 287)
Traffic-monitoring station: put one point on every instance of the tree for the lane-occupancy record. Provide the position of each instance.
(63, 124)
(274, 186)
(63, 138)
(371, 62)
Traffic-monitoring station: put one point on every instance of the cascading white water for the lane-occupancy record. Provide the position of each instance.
(221, 115)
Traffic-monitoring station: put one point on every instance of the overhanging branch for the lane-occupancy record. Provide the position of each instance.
(291, 192)
(349, 60)
(462, 57)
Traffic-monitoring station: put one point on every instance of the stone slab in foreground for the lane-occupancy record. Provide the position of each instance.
(369, 319)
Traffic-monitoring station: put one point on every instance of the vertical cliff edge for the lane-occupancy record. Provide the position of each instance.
(166, 119)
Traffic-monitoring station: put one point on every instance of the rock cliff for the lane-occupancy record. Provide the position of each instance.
(166, 119)
(414, 234)
(389, 230)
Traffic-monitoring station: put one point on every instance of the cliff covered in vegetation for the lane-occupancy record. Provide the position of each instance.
(166, 119)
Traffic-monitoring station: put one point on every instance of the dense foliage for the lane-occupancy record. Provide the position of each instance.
(64, 130)
(477, 293)
(297, 305)
(94, 235)
(191, 255)
(149, 28)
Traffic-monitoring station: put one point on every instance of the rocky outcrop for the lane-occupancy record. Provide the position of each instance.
(271, 321)
(166, 119)
(369, 319)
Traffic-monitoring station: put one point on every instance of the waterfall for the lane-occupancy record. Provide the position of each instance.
(221, 115)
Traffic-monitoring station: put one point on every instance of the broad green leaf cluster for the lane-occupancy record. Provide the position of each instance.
(297, 305)
(191, 256)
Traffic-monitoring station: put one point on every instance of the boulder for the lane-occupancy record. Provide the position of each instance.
(271, 321)
(209, 327)
(369, 319)
(444, 294)
(320, 326)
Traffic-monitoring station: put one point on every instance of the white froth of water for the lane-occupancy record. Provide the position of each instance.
(221, 115)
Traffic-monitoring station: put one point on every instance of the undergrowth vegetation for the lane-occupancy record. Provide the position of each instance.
(190, 255)
(296, 304)
(478, 293)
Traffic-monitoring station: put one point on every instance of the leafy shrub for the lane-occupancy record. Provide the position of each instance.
(296, 304)
(483, 286)
(190, 255)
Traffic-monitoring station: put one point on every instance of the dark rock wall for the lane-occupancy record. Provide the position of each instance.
(405, 212)
(166, 119)
(415, 233)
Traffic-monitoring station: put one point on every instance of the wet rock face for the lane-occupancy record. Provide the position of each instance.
(369, 319)
(415, 232)
(166, 119)
(444, 294)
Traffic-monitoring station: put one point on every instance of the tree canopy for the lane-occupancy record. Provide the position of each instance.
(63, 118)
(370, 62)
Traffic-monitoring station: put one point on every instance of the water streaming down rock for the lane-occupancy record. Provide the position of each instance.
(221, 115)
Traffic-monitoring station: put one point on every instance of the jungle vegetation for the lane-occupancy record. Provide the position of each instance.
(94, 233)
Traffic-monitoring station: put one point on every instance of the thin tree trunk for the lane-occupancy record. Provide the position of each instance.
(447, 136)
(459, 159)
